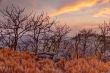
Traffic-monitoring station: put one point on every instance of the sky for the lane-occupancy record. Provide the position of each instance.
(77, 14)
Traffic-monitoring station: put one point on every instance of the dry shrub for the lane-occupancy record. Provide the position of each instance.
(25, 62)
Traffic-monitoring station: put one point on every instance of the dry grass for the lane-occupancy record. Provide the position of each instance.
(26, 62)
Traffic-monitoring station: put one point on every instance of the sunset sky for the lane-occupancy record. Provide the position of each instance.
(75, 13)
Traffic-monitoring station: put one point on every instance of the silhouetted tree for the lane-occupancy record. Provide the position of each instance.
(85, 40)
(40, 26)
(14, 25)
(104, 33)
(77, 41)
(59, 35)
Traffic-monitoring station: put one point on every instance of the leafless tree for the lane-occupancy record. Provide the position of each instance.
(14, 25)
(59, 36)
(85, 40)
(104, 33)
(40, 26)
(77, 41)
(96, 43)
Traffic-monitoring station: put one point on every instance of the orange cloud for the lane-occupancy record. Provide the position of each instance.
(76, 6)
(103, 12)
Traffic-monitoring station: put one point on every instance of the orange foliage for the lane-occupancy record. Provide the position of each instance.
(26, 62)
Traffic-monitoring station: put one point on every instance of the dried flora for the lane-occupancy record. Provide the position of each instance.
(25, 62)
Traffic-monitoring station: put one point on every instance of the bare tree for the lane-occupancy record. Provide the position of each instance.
(40, 26)
(104, 33)
(59, 35)
(14, 25)
(85, 40)
(77, 41)
(96, 44)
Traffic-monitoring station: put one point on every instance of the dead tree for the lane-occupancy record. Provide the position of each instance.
(104, 33)
(96, 44)
(40, 26)
(85, 40)
(14, 25)
(58, 37)
(77, 41)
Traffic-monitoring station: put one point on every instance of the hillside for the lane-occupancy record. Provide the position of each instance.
(26, 62)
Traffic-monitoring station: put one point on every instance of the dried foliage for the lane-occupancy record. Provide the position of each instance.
(26, 62)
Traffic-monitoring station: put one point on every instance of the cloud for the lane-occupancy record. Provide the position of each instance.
(103, 12)
(73, 7)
